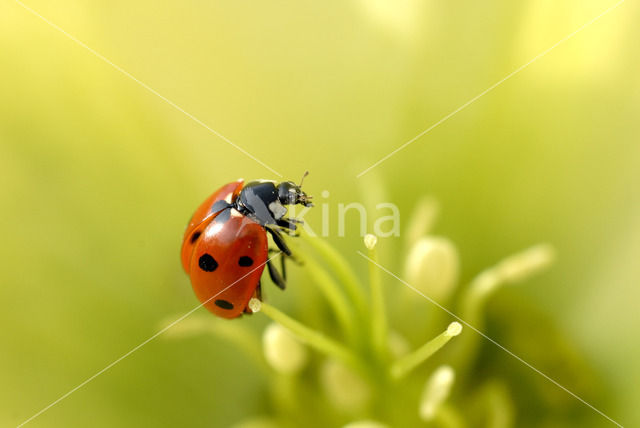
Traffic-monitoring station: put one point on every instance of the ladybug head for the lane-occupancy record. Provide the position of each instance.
(290, 193)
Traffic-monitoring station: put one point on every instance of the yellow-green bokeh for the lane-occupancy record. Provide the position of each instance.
(99, 176)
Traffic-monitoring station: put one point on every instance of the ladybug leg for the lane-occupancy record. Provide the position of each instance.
(283, 262)
(275, 275)
(289, 222)
(288, 225)
(279, 240)
(283, 269)
(283, 247)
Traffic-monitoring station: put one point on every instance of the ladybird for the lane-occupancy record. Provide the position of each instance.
(225, 246)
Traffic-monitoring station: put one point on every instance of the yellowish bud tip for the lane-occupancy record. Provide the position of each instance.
(255, 305)
(436, 391)
(370, 241)
(432, 267)
(283, 351)
(454, 329)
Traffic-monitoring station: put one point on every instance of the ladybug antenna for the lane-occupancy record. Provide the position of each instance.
(302, 179)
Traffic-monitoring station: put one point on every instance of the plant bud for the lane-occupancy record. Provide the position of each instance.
(436, 391)
(282, 351)
(432, 267)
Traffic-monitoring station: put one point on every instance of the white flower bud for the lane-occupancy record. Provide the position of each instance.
(255, 305)
(345, 388)
(436, 391)
(282, 351)
(454, 329)
(432, 267)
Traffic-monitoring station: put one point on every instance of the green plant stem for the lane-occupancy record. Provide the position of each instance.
(406, 364)
(342, 270)
(313, 338)
(472, 304)
(379, 327)
(331, 290)
(284, 390)
(510, 270)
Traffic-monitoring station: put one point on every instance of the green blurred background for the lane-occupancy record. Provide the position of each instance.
(99, 176)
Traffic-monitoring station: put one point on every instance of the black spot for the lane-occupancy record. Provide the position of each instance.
(195, 236)
(207, 263)
(224, 304)
(245, 261)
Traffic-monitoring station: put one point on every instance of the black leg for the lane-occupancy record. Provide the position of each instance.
(283, 269)
(283, 263)
(279, 240)
(275, 275)
(287, 223)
